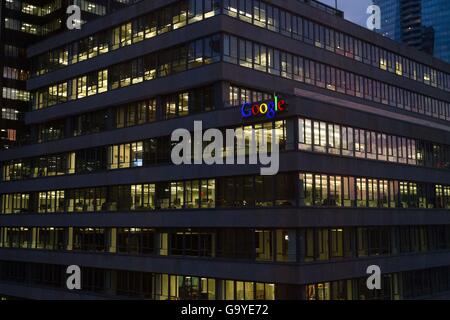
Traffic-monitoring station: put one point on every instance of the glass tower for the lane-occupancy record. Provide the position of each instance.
(423, 24)
(436, 14)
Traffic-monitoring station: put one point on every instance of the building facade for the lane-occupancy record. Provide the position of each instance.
(422, 24)
(364, 160)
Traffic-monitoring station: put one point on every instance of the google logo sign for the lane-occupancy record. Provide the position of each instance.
(270, 108)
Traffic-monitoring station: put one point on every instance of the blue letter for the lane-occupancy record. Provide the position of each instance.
(245, 113)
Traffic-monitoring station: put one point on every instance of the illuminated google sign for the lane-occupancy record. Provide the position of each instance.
(268, 108)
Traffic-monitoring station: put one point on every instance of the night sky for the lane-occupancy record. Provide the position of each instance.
(355, 10)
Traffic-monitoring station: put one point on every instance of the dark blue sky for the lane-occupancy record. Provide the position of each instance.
(355, 10)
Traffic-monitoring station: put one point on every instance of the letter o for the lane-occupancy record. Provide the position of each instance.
(266, 108)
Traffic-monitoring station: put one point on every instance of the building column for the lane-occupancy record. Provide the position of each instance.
(395, 234)
(33, 238)
(112, 241)
(70, 239)
(301, 245)
(291, 134)
(34, 135)
(110, 119)
(159, 108)
(221, 95)
(68, 128)
(111, 279)
(162, 243)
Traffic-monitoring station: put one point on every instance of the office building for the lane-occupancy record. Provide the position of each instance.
(364, 159)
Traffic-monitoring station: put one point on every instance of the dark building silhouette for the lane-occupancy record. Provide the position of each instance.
(364, 159)
(22, 23)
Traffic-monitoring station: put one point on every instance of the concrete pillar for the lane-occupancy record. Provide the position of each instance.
(221, 95)
(395, 234)
(33, 238)
(292, 134)
(301, 245)
(68, 128)
(159, 108)
(111, 279)
(162, 243)
(112, 240)
(70, 239)
(110, 119)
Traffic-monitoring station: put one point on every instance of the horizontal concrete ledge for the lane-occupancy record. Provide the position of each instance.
(236, 218)
(233, 269)
(295, 161)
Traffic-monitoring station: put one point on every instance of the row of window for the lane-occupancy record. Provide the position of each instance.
(175, 105)
(145, 285)
(35, 10)
(265, 15)
(171, 195)
(240, 95)
(15, 74)
(138, 284)
(324, 137)
(40, 30)
(49, 8)
(129, 155)
(136, 113)
(343, 191)
(15, 94)
(257, 12)
(8, 134)
(14, 51)
(10, 114)
(93, 8)
(22, 26)
(316, 136)
(281, 245)
(404, 285)
(247, 53)
(286, 189)
(158, 22)
(345, 243)
(188, 56)
(178, 104)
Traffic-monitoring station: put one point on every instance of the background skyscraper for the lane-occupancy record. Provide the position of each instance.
(423, 24)
(390, 22)
(22, 23)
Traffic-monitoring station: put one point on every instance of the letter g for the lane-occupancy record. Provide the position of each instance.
(246, 112)
(271, 112)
